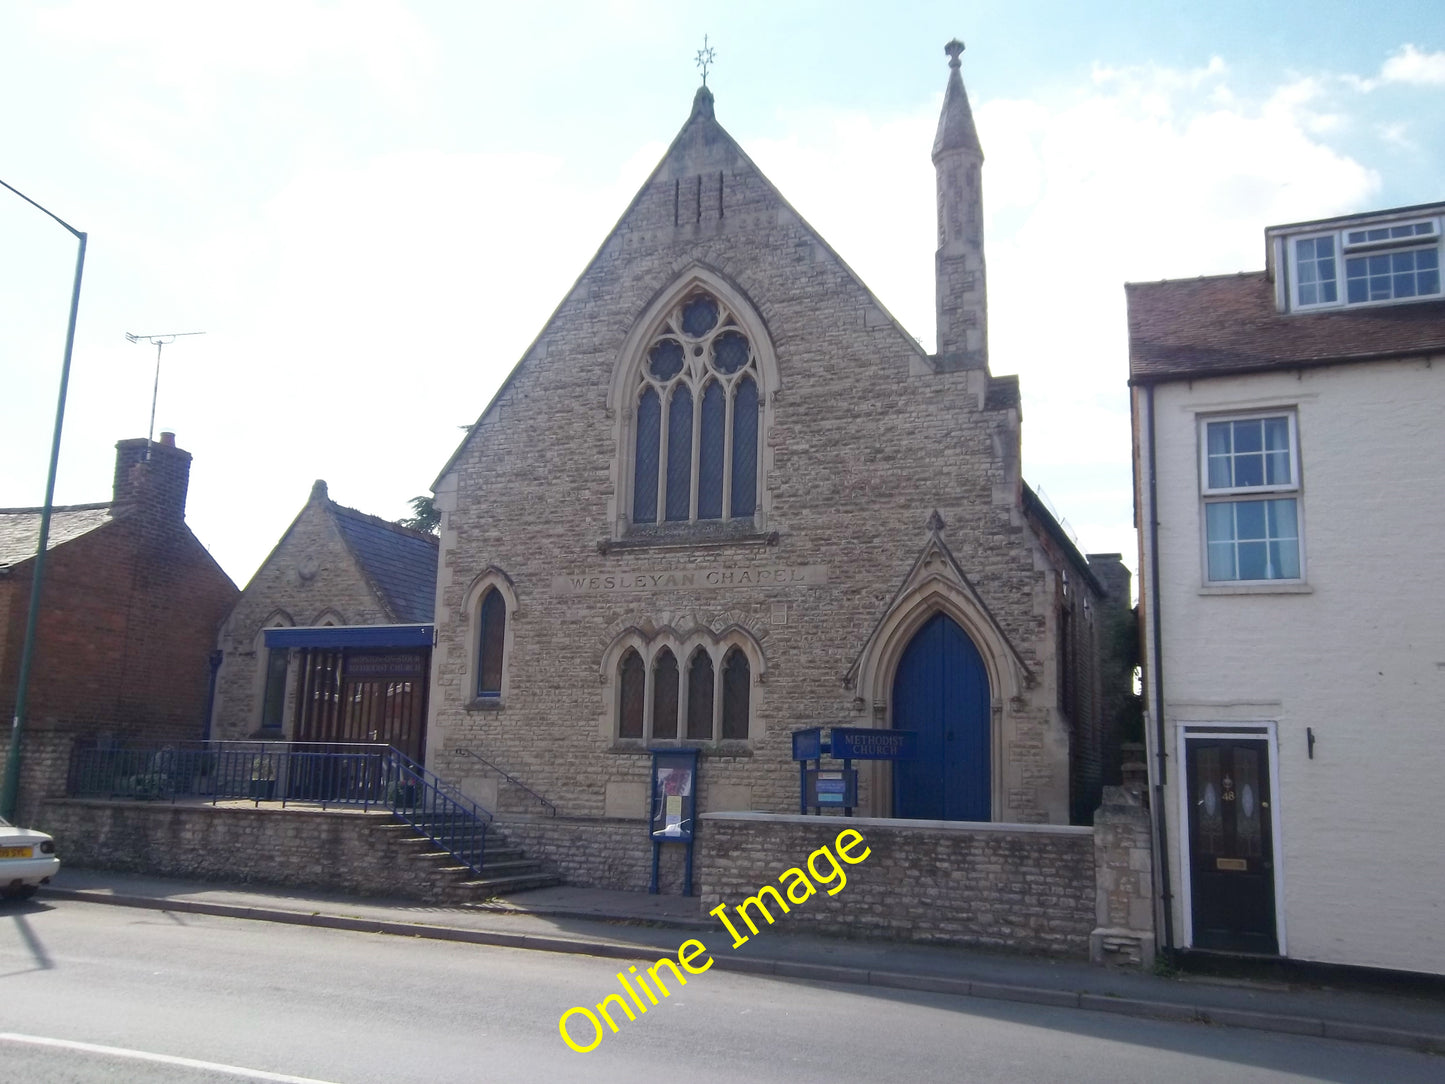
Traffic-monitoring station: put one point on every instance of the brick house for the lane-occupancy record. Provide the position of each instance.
(1289, 516)
(130, 606)
(725, 496)
(331, 639)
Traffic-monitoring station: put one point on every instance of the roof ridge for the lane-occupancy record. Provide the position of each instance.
(390, 524)
(1198, 278)
(37, 509)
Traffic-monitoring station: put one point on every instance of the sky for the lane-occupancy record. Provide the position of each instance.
(372, 207)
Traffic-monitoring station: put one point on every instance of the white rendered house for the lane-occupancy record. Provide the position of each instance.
(1290, 494)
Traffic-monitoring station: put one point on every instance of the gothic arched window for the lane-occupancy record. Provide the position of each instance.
(664, 695)
(696, 401)
(661, 691)
(490, 642)
(699, 696)
(632, 695)
(737, 681)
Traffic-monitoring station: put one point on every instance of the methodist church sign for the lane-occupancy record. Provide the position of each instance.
(856, 743)
(636, 581)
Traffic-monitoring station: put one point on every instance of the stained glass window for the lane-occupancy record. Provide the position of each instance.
(745, 449)
(700, 371)
(737, 682)
(690, 710)
(631, 696)
(730, 352)
(649, 439)
(712, 437)
(699, 316)
(679, 454)
(664, 695)
(490, 639)
(699, 696)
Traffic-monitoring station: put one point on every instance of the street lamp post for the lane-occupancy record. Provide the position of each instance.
(9, 790)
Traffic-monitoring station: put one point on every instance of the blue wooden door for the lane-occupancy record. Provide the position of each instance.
(941, 691)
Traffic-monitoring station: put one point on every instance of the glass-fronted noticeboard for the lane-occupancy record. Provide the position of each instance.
(674, 795)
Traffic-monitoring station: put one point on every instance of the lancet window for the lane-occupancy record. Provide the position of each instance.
(663, 695)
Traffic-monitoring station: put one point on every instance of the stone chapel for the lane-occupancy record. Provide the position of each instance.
(725, 496)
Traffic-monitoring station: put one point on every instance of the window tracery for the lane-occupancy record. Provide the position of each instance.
(666, 690)
(696, 402)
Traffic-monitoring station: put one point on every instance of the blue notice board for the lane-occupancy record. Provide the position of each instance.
(808, 744)
(858, 743)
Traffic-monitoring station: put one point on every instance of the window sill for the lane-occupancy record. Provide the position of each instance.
(686, 536)
(484, 703)
(733, 747)
(1286, 588)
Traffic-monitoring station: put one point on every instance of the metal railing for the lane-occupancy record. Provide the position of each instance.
(328, 774)
(510, 778)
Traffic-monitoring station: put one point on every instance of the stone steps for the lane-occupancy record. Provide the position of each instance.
(505, 868)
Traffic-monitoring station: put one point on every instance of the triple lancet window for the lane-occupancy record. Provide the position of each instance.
(1251, 498)
(705, 698)
(696, 450)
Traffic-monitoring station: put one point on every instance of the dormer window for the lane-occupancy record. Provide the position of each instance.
(1374, 264)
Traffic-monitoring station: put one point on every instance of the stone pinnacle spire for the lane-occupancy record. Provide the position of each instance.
(958, 266)
(955, 124)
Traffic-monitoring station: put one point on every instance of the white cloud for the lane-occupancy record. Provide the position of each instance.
(1410, 65)
(1147, 172)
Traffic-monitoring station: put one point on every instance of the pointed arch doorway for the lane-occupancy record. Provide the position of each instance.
(941, 691)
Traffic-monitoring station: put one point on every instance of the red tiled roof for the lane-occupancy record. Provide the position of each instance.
(1186, 328)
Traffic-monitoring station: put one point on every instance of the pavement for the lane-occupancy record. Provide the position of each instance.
(636, 926)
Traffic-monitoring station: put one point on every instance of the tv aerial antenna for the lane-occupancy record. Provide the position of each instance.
(160, 341)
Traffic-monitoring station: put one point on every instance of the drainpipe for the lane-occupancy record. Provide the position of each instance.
(215, 660)
(1161, 773)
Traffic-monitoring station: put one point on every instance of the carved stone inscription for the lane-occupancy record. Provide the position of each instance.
(637, 581)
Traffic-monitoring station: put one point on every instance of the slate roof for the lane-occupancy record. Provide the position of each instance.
(1186, 328)
(20, 528)
(400, 563)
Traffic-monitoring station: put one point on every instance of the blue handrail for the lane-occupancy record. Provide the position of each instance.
(326, 773)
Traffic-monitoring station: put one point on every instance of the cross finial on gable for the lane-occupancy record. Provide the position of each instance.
(953, 49)
(935, 522)
(705, 57)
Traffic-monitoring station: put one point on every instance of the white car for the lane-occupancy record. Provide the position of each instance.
(27, 861)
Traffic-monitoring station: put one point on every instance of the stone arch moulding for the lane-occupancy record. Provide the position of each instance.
(928, 592)
(276, 619)
(647, 640)
(489, 578)
(328, 616)
(697, 277)
(632, 356)
(936, 584)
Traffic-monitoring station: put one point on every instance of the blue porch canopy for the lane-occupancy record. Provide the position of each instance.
(353, 636)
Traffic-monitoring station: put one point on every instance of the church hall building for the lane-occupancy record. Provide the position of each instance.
(725, 496)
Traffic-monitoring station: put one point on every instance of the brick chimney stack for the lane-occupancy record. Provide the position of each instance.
(154, 476)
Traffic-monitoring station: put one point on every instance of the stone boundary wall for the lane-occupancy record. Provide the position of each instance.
(1015, 887)
(333, 850)
(599, 852)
